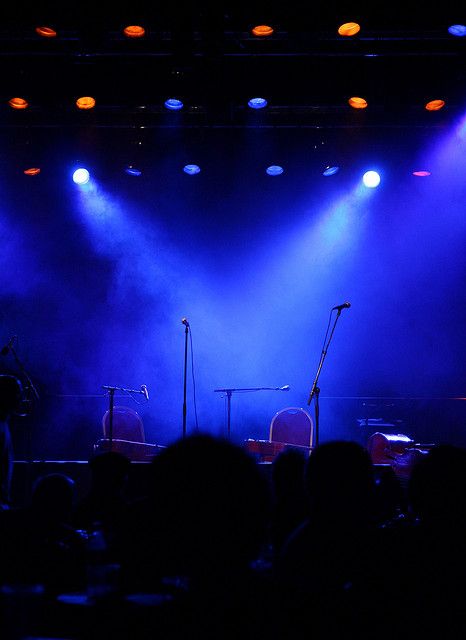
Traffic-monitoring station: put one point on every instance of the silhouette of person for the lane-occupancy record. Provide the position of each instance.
(11, 394)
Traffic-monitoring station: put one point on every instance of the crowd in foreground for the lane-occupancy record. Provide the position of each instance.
(324, 546)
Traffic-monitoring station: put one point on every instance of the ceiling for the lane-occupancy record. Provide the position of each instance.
(205, 54)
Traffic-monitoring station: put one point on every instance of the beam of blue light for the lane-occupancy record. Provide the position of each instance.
(330, 171)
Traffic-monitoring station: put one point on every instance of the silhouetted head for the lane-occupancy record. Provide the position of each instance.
(288, 473)
(211, 501)
(109, 470)
(437, 485)
(11, 393)
(53, 495)
(340, 481)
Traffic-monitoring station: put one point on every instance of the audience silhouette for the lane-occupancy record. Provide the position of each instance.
(348, 543)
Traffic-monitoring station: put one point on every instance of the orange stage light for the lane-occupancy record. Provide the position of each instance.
(134, 31)
(435, 105)
(349, 29)
(85, 102)
(46, 32)
(18, 103)
(357, 103)
(33, 171)
(262, 30)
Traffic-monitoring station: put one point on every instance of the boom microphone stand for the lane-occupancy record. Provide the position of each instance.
(228, 393)
(315, 391)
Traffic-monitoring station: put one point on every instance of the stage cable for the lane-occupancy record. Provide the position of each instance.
(193, 377)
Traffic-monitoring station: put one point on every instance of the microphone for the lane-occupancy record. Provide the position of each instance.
(345, 305)
(185, 322)
(286, 387)
(145, 393)
(8, 346)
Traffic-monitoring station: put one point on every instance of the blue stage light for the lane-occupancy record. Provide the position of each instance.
(257, 103)
(274, 170)
(173, 104)
(191, 169)
(330, 171)
(81, 176)
(132, 171)
(457, 30)
(371, 179)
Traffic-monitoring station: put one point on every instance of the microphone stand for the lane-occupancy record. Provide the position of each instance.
(315, 391)
(28, 397)
(186, 331)
(229, 392)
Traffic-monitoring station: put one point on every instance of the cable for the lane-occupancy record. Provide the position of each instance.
(194, 380)
(326, 333)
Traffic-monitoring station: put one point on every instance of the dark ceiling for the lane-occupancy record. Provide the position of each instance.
(204, 53)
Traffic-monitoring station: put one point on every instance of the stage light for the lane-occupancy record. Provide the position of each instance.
(262, 30)
(81, 176)
(421, 174)
(134, 31)
(133, 171)
(457, 30)
(349, 29)
(435, 105)
(274, 170)
(371, 179)
(357, 103)
(86, 102)
(257, 103)
(32, 171)
(46, 32)
(330, 171)
(18, 103)
(173, 104)
(191, 169)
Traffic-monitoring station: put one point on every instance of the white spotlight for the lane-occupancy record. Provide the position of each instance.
(371, 179)
(81, 176)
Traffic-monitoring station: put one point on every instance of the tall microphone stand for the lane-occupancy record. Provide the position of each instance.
(186, 331)
(315, 391)
(30, 394)
(228, 393)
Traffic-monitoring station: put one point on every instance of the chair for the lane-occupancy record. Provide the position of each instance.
(292, 426)
(127, 436)
(127, 425)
